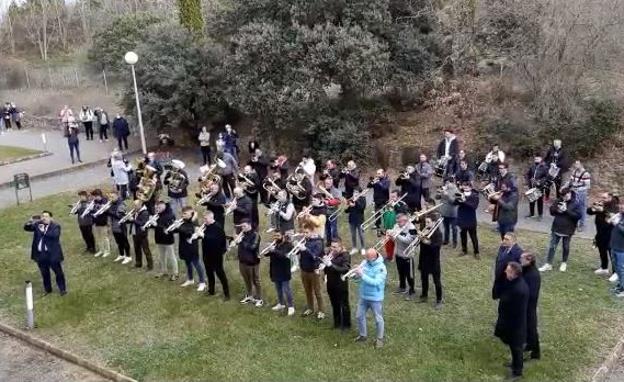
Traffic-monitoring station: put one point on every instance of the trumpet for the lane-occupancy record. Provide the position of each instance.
(199, 232)
(352, 272)
(151, 222)
(175, 225)
(305, 211)
(273, 208)
(236, 241)
(377, 214)
(205, 198)
(103, 209)
(329, 257)
(246, 184)
(74, 208)
(268, 248)
(292, 255)
(88, 210)
(324, 191)
(230, 207)
(127, 216)
(615, 219)
(425, 235)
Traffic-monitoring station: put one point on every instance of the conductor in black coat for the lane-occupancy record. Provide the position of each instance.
(511, 326)
(214, 246)
(46, 249)
(533, 280)
(429, 261)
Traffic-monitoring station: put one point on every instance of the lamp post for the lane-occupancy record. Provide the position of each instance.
(131, 59)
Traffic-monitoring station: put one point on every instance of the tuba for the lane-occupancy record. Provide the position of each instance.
(177, 180)
(270, 186)
(147, 185)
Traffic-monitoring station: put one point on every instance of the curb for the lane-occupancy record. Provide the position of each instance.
(66, 170)
(28, 157)
(65, 355)
(608, 363)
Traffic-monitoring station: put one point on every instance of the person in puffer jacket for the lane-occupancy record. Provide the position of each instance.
(371, 275)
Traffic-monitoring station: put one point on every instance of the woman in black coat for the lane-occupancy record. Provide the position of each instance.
(511, 326)
(336, 264)
(429, 262)
(533, 279)
(189, 252)
(467, 218)
(279, 270)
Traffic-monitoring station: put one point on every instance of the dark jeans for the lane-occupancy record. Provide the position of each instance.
(229, 182)
(516, 359)
(554, 242)
(214, 265)
(123, 191)
(44, 268)
(104, 131)
(504, 228)
(379, 206)
(194, 263)
(605, 254)
(122, 141)
(73, 146)
(450, 229)
(284, 293)
(88, 130)
(331, 230)
(463, 234)
(141, 246)
(87, 235)
(404, 268)
(339, 299)
(557, 184)
(437, 281)
(424, 192)
(540, 206)
(205, 150)
(122, 243)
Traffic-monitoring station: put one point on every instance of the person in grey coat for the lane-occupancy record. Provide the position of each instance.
(425, 172)
(404, 233)
(507, 209)
(447, 195)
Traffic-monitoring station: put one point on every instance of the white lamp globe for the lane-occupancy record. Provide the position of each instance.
(131, 58)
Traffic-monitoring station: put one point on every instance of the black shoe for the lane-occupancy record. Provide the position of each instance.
(360, 339)
(477, 256)
(445, 243)
(454, 245)
(63, 292)
(226, 298)
(463, 254)
(422, 299)
(513, 377)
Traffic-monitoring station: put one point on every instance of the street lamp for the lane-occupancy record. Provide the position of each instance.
(131, 59)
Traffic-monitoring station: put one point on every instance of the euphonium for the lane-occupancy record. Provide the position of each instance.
(270, 186)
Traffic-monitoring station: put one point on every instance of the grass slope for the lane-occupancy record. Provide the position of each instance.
(12, 152)
(153, 330)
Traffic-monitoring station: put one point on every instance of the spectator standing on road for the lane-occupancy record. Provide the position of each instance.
(121, 131)
(102, 117)
(86, 117)
(72, 139)
(64, 115)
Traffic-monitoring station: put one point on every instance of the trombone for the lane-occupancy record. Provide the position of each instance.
(420, 214)
(339, 211)
(377, 214)
(425, 234)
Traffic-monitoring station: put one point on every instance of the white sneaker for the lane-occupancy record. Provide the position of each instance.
(259, 303)
(545, 267)
(126, 260)
(270, 230)
(201, 287)
(601, 271)
(294, 269)
(363, 252)
(278, 307)
(563, 267)
(614, 278)
(187, 283)
(106, 254)
(98, 254)
(291, 311)
(353, 251)
(307, 312)
(118, 259)
(320, 315)
(246, 300)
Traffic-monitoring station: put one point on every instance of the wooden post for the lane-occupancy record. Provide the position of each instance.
(27, 78)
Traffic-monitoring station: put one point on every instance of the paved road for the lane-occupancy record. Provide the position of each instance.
(90, 151)
(21, 363)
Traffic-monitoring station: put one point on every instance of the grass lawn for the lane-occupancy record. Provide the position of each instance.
(153, 330)
(12, 152)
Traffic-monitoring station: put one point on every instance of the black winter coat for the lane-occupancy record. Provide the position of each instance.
(187, 251)
(603, 229)
(511, 326)
(248, 249)
(165, 219)
(565, 222)
(429, 259)
(116, 212)
(341, 264)
(467, 211)
(216, 205)
(534, 282)
(243, 209)
(279, 265)
(503, 258)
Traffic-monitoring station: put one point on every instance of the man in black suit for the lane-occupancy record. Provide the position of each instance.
(46, 249)
(534, 281)
(511, 326)
(214, 247)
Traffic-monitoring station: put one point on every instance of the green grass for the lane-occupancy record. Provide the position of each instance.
(153, 330)
(12, 152)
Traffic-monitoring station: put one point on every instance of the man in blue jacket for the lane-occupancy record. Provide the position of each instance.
(372, 275)
(566, 212)
(121, 132)
(46, 249)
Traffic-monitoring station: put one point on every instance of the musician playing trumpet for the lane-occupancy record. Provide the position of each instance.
(447, 194)
(506, 208)
(250, 182)
(309, 260)
(139, 217)
(381, 193)
(241, 206)
(165, 241)
(355, 210)
(403, 233)
(85, 223)
(351, 176)
(214, 246)
(117, 211)
(336, 263)
(215, 202)
(189, 249)
(429, 260)
(249, 263)
(467, 218)
(279, 271)
(409, 182)
(100, 222)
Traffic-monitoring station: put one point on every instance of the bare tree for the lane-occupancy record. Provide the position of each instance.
(35, 19)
